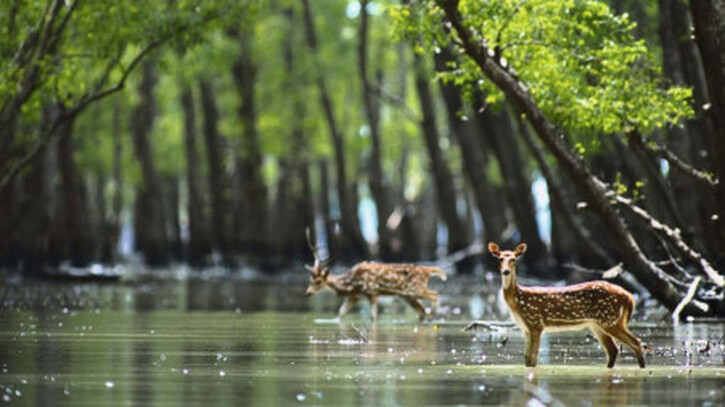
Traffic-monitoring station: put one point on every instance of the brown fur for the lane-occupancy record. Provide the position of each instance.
(603, 307)
(371, 280)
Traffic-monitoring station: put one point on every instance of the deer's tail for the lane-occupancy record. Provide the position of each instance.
(630, 307)
(438, 272)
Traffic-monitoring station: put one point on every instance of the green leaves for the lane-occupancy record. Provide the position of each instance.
(580, 61)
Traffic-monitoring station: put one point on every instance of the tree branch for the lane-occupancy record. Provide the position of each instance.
(395, 101)
(658, 151)
(82, 104)
(673, 236)
(687, 299)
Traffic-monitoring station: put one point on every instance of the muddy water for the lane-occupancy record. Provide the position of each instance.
(214, 341)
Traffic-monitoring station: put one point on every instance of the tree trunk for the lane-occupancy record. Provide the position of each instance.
(465, 132)
(117, 174)
(249, 164)
(352, 244)
(458, 233)
(297, 212)
(376, 177)
(708, 17)
(198, 246)
(218, 180)
(173, 204)
(74, 200)
(150, 220)
(35, 211)
(517, 186)
(567, 233)
(325, 205)
(590, 187)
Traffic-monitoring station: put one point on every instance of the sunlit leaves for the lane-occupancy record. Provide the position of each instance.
(581, 62)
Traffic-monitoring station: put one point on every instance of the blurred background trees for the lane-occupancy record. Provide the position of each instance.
(216, 132)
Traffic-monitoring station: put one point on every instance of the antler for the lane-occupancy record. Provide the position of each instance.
(319, 265)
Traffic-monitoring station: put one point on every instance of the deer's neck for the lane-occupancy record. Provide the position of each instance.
(337, 285)
(510, 288)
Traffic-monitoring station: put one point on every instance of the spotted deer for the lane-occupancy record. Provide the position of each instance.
(603, 307)
(371, 280)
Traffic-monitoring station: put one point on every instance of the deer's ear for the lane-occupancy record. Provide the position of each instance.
(310, 269)
(520, 249)
(494, 249)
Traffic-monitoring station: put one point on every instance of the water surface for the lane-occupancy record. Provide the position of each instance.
(194, 341)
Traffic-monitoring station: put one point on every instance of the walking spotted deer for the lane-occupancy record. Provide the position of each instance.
(372, 280)
(603, 307)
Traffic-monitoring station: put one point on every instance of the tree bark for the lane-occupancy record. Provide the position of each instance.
(150, 220)
(446, 197)
(561, 207)
(117, 176)
(74, 201)
(590, 187)
(466, 133)
(352, 244)
(198, 246)
(376, 178)
(35, 211)
(516, 186)
(295, 209)
(249, 163)
(708, 17)
(173, 204)
(218, 180)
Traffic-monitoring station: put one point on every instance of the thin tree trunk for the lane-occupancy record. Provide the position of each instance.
(376, 177)
(708, 17)
(301, 205)
(447, 199)
(32, 232)
(352, 243)
(498, 130)
(218, 180)
(150, 223)
(562, 208)
(465, 132)
(325, 205)
(173, 204)
(117, 176)
(249, 163)
(198, 247)
(590, 187)
(76, 216)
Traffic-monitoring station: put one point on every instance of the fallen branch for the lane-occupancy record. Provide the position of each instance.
(473, 250)
(673, 236)
(687, 299)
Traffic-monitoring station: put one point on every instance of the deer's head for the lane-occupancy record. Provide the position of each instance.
(319, 271)
(507, 260)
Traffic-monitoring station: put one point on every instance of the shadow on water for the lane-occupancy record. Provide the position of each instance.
(195, 341)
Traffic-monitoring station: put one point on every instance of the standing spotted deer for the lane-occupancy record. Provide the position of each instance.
(598, 305)
(372, 280)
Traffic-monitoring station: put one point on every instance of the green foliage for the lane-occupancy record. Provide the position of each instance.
(581, 62)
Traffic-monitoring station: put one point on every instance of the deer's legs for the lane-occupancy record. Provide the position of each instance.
(533, 340)
(632, 342)
(346, 306)
(627, 338)
(373, 307)
(417, 306)
(608, 344)
(433, 296)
